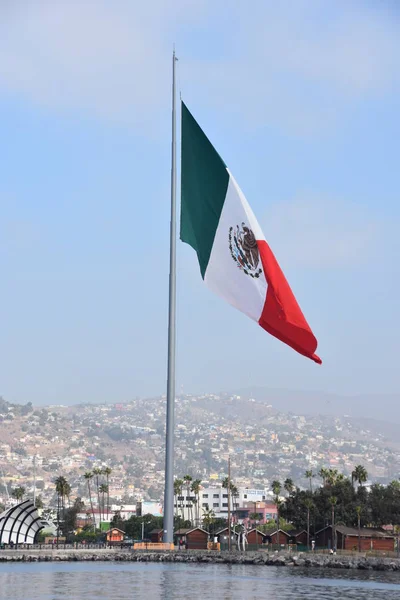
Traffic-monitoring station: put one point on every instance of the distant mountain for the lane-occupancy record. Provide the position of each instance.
(385, 407)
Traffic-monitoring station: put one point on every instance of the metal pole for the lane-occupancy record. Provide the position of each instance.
(170, 427)
(229, 503)
(34, 480)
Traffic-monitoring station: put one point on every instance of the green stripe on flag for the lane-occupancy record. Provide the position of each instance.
(204, 181)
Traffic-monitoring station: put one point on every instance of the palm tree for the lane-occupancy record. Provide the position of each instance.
(18, 493)
(332, 477)
(88, 476)
(309, 505)
(96, 473)
(254, 516)
(208, 518)
(323, 473)
(232, 493)
(62, 489)
(359, 474)
(177, 491)
(188, 480)
(333, 501)
(289, 485)
(309, 475)
(234, 496)
(103, 489)
(276, 488)
(195, 488)
(107, 472)
(67, 493)
(358, 511)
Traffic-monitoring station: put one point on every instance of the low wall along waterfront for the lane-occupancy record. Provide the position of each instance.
(353, 561)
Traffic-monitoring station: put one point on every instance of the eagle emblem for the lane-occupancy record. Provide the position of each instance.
(244, 250)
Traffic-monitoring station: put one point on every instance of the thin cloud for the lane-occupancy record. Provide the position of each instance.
(290, 64)
(315, 232)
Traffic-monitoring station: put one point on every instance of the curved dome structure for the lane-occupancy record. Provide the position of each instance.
(20, 524)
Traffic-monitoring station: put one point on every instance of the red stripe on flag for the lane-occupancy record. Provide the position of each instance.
(281, 315)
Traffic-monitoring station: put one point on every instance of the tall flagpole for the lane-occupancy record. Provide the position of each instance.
(170, 428)
(34, 479)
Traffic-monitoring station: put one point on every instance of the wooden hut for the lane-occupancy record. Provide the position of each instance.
(255, 537)
(156, 536)
(347, 538)
(115, 536)
(191, 539)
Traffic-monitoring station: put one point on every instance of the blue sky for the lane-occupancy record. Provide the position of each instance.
(301, 101)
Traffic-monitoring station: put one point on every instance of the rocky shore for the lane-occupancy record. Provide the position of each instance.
(355, 561)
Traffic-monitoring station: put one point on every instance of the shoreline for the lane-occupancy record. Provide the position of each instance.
(370, 563)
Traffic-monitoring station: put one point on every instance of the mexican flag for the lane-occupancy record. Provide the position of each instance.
(235, 259)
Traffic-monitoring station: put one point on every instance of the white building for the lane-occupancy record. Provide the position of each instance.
(215, 499)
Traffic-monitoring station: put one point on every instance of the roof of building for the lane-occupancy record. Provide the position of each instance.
(226, 529)
(184, 531)
(255, 529)
(288, 533)
(364, 531)
(115, 529)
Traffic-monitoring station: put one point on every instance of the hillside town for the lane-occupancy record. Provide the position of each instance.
(41, 443)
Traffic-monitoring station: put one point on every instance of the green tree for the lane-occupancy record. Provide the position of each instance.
(178, 491)
(276, 488)
(97, 472)
(309, 475)
(103, 489)
(188, 481)
(68, 525)
(88, 477)
(323, 473)
(308, 503)
(107, 472)
(289, 485)
(18, 493)
(233, 493)
(360, 475)
(333, 501)
(177, 488)
(208, 519)
(195, 488)
(62, 490)
(39, 502)
(254, 516)
(117, 521)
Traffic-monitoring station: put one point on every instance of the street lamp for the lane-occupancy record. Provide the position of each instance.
(143, 524)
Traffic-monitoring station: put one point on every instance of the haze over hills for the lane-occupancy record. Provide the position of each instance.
(384, 407)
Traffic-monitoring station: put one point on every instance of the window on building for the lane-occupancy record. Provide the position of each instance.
(181, 498)
(205, 495)
(225, 504)
(205, 505)
(224, 495)
(215, 505)
(244, 495)
(215, 495)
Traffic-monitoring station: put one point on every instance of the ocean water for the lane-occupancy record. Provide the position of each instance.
(154, 581)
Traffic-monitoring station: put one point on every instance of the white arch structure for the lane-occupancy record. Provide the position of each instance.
(20, 524)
